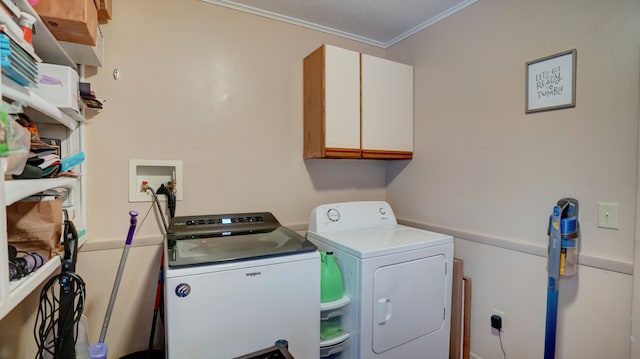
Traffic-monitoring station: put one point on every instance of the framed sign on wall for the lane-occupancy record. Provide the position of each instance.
(551, 82)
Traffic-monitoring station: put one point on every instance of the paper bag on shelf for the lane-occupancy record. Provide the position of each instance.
(36, 226)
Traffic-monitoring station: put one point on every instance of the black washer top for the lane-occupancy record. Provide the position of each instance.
(222, 238)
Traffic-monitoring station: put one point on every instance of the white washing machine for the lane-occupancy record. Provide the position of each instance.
(398, 279)
(238, 283)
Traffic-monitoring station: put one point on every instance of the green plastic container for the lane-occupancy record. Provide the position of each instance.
(4, 134)
(331, 284)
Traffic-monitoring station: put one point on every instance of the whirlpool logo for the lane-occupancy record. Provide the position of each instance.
(252, 274)
(183, 290)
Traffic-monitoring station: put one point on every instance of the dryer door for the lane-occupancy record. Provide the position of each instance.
(408, 301)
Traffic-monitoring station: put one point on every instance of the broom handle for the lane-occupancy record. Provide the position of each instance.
(116, 284)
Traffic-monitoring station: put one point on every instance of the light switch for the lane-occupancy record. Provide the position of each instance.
(608, 215)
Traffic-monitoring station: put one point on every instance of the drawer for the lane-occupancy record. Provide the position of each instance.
(335, 350)
(332, 313)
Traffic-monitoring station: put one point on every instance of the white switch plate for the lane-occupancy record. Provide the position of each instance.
(608, 215)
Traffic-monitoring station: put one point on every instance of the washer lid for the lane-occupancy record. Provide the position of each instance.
(378, 241)
(212, 250)
(210, 239)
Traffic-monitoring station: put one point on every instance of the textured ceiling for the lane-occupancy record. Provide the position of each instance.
(377, 22)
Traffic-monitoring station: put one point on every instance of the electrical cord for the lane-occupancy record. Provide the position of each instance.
(171, 199)
(159, 297)
(50, 328)
(20, 267)
(155, 199)
(61, 302)
(141, 221)
(147, 188)
(502, 347)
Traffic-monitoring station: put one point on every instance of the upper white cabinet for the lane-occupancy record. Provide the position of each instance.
(357, 106)
(332, 103)
(387, 108)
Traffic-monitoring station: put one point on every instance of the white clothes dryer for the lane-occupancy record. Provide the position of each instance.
(398, 278)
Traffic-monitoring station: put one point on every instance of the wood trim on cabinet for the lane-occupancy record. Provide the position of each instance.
(387, 155)
(361, 102)
(342, 153)
(314, 104)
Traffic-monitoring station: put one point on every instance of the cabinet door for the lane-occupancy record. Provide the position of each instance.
(387, 108)
(332, 103)
(342, 96)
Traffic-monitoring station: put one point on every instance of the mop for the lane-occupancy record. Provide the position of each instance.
(99, 349)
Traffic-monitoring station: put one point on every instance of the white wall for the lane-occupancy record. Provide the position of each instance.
(220, 90)
(489, 174)
(593, 310)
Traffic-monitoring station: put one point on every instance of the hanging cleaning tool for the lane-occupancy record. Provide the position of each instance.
(67, 290)
(564, 235)
(99, 349)
(58, 319)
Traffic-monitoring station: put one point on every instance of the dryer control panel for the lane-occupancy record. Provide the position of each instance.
(351, 215)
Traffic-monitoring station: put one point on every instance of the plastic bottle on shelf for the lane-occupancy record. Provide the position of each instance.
(331, 284)
(26, 23)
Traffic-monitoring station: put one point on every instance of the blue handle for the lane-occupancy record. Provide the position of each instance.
(69, 162)
(554, 277)
(552, 317)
